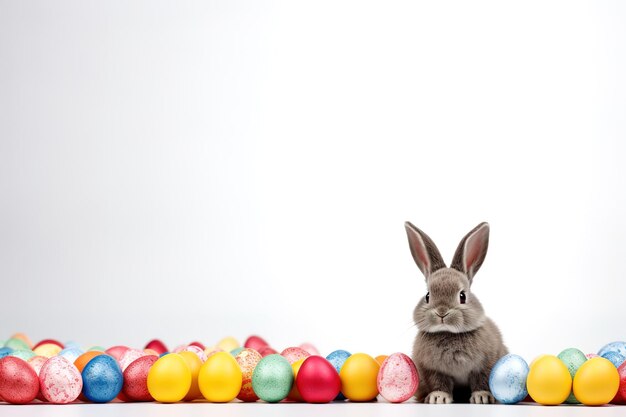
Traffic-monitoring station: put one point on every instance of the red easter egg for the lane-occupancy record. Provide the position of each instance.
(46, 341)
(156, 345)
(294, 354)
(116, 351)
(256, 343)
(266, 350)
(19, 383)
(198, 344)
(397, 379)
(135, 386)
(318, 380)
(620, 397)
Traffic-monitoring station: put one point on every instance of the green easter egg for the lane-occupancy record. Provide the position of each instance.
(17, 344)
(572, 358)
(24, 354)
(272, 378)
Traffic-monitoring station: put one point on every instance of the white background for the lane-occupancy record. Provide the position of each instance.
(192, 170)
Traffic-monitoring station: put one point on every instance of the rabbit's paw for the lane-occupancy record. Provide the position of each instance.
(438, 397)
(482, 397)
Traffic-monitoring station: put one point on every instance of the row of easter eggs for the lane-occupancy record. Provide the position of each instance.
(571, 377)
(61, 374)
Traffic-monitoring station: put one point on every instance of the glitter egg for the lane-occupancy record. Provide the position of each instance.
(397, 379)
(19, 383)
(135, 386)
(102, 379)
(616, 358)
(619, 347)
(272, 378)
(247, 360)
(572, 358)
(293, 354)
(507, 380)
(60, 381)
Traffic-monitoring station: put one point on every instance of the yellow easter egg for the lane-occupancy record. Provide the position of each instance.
(228, 343)
(48, 350)
(294, 394)
(169, 378)
(380, 359)
(194, 362)
(596, 382)
(220, 378)
(358, 377)
(549, 382)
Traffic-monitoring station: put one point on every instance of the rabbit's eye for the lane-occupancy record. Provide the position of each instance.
(462, 297)
(427, 297)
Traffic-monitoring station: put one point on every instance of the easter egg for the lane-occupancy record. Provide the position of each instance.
(19, 383)
(59, 381)
(380, 359)
(359, 375)
(596, 382)
(549, 381)
(294, 394)
(247, 360)
(23, 354)
(337, 358)
(156, 345)
(266, 351)
(507, 380)
(71, 353)
(228, 343)
(48, 350)
(220, 378)
(116, 351)
(397, 379)
(169, 378)
(620, 397)
(255, 342)
(318, 381)
(135, 386)
(590, 355)
(272, 378)
(129, 356)
(197, 344)
(196, 351)
(16, 344)
(572, 358)
(619, 347)
(24, 339)
(97, 348)
(615, 358)
(47, 342)
(293, 354)
(236, 351)
(84, 359)
(211, 350)
(102, 379)
(194, 363)
(312, 350)
(5, 351)
(36, 362)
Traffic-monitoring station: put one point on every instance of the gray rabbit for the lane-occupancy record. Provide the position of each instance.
(457, 345)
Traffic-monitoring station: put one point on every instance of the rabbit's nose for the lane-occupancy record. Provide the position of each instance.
(442, 313)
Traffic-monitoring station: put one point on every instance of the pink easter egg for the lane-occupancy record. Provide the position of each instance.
(255, 342)
(266, 350)
(397, 378)
(37, 362)
(116, 351)
(59, 380)
(294, 354)
(129, 356)
(310, 348)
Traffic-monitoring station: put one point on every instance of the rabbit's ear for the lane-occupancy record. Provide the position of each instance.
(424, 251)
(470, 254)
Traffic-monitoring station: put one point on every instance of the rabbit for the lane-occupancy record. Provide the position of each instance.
(456, 345)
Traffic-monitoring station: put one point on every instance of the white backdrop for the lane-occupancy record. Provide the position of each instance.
(192, 170)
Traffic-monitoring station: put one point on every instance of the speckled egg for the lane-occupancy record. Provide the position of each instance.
(397, 378)
(293, 354)
(71, 353)
(102, 379)
(507, 380)
(272, 378)
(129, 356)
(337, 358)
(60, 381)
(616, 358)
(19, 383)
(247, 359)
(619, 347)
(135, 386)
(572, 358)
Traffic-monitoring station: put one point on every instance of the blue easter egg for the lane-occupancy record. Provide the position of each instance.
(616, 358)
(507, 380)
(5, 351)
(71, 353)
(619, 347)
(236, 351)
(72, 344)
(337, 358)
(102, 379)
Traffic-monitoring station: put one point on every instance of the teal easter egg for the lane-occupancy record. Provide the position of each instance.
(572, 358)
(16, 344)
(24, 354)
(272, 378)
